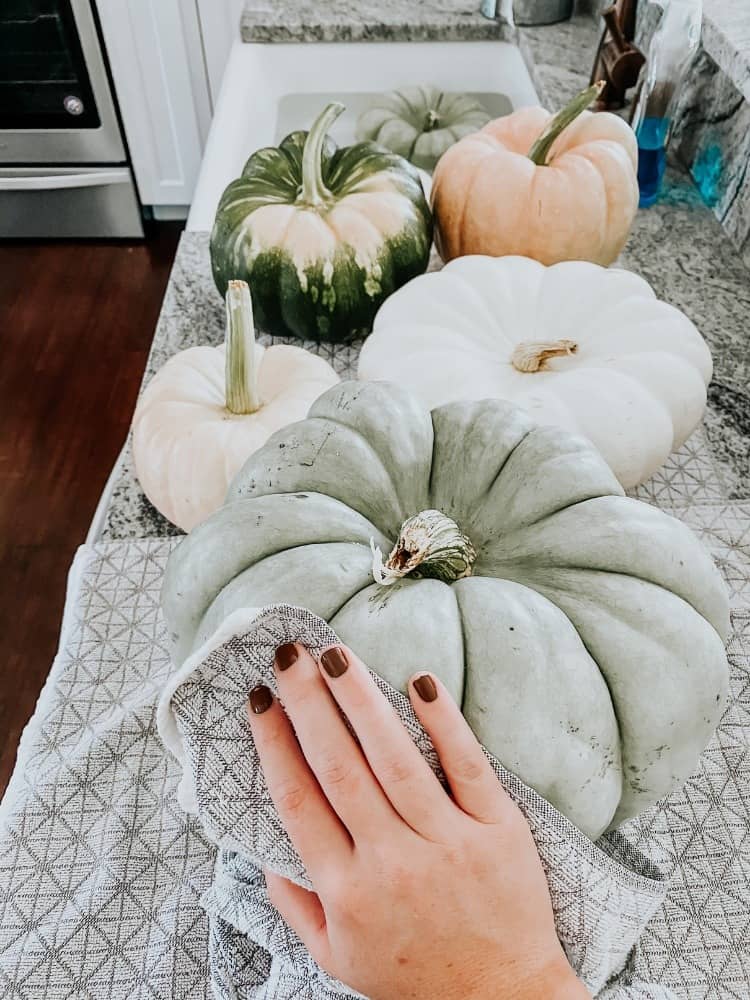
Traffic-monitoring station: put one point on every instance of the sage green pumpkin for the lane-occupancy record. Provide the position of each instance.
(580, 630)
(322, 235)
(420, 123)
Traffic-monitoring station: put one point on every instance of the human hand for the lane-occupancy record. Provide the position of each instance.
(417, 894)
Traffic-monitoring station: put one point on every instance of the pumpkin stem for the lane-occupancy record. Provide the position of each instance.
(241, 392)
(314, 192)
(558, 123)
(430, 544)
(532, 355)
(431, 121)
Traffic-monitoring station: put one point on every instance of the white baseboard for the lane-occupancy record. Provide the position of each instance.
(170, 213)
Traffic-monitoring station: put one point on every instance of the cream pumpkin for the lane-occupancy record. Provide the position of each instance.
(587, 348)
(552, 188)
(209, 408)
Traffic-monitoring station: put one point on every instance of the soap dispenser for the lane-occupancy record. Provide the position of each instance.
(670, 54)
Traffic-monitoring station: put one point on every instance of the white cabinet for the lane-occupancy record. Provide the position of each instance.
(167, 59)
(155, 53)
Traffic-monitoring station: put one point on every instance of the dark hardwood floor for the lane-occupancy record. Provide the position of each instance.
(76, 323)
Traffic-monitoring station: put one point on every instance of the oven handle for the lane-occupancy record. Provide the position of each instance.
(55, 182)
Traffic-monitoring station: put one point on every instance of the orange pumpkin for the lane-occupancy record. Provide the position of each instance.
(533, 185)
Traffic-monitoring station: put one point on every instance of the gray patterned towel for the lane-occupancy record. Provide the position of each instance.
(109, 890)
(603, 897)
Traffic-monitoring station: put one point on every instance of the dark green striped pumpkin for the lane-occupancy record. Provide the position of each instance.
(322, 235)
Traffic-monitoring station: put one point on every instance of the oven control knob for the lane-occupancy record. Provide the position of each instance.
(73, 105)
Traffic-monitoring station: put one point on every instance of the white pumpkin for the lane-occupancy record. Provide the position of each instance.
(209, 408)
(587, 348)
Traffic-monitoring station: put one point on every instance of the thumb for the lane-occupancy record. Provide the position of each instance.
(302, 911)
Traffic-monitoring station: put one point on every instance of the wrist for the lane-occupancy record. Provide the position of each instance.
(555, 981)
(552, 979)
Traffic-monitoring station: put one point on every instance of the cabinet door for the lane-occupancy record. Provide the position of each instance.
(155, 54)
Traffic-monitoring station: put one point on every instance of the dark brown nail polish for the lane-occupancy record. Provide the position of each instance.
(286, 655)
(425, 687)
(334, 661)
(261, 699)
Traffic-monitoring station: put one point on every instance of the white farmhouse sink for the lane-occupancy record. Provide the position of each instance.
(270, 90)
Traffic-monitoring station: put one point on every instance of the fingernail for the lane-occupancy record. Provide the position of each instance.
(261, 699)
(424, 685)
(286, 655)
(334, 661)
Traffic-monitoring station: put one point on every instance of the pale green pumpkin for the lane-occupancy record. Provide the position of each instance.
(420, 123)
(581, 631)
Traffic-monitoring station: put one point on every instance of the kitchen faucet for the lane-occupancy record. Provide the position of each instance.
(527, 12)
(490, 8)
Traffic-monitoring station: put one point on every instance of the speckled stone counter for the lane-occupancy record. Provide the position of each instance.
(726, 25)
(370, 21)
(712, 120)
(678, 246)
(726, 38)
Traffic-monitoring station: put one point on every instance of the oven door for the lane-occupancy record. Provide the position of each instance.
(56, 105)
(68, 201)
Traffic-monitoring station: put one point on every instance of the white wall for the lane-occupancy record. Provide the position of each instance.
(220, 26)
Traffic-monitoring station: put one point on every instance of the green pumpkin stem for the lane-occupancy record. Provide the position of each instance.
(241, 393)
(314, 192)
(558, 123)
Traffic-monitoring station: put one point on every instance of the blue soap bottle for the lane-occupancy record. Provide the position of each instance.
(670, 54)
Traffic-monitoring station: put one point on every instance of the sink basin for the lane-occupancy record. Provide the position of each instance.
(270, 90)
(296, 111)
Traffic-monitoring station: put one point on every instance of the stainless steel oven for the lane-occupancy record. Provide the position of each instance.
(64, 167)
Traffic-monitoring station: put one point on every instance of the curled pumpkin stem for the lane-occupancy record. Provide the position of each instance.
(533, 355)
(430, 544)
(558, 123)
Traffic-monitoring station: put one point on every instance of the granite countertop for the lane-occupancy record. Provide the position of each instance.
(678, 246)
(384, 20)
(712, 118)
(726, 25)
(726, 38)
